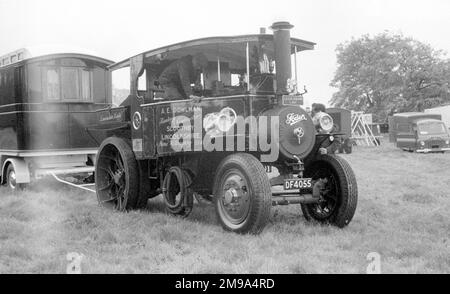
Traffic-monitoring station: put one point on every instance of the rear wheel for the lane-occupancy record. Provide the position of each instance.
(242, 194)
(116, 175)
(339, 195)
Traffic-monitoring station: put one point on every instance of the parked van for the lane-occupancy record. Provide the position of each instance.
(342, 119)
(419, 132)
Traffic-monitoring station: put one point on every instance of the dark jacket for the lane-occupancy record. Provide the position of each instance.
(181, 74)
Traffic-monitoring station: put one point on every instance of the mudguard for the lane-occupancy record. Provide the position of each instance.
(21, 169)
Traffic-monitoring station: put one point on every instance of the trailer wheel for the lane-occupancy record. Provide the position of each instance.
(116, 175)
(11, 179)
(242, 194)
(340, 194)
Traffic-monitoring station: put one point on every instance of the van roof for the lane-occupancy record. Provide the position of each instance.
(410, 114)
(415, 116)
(430, 120)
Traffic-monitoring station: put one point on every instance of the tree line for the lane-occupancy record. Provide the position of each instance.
(390, 73)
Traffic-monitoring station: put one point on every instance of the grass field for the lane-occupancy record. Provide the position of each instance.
(403, 214)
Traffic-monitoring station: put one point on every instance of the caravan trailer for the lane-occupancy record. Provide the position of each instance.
(46, 103)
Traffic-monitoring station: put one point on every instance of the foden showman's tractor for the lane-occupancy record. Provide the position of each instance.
(240, 140)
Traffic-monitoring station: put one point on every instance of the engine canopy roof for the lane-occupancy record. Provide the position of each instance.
(231, 47)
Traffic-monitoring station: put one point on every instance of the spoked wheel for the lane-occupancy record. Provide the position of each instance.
(339, 192)
(11, 180)
(116, 175)
(242, 194)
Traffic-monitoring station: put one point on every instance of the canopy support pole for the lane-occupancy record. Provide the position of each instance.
(247, 56)
(295, 67)
(218, 69)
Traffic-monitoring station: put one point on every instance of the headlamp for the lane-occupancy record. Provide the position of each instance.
(323, 122)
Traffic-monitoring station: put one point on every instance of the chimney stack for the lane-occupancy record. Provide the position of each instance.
(282, 44)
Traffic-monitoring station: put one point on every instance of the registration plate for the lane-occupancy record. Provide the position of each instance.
(298, 184)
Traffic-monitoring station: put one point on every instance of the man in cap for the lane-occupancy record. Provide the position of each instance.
(176, 79)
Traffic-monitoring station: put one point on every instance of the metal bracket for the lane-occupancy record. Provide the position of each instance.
(299, 167)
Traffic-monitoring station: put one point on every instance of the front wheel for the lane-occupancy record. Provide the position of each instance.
(242, 194)
(339, 196)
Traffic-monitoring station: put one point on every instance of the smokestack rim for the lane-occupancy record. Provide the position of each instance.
(281, 25)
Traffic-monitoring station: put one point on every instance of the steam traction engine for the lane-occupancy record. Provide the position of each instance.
(243, 141)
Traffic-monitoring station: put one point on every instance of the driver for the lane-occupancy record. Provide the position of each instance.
(176, 79)
(316, 108)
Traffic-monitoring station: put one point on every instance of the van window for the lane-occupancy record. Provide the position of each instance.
(51, 84)
(86, 87)
(432, 128)
(70, 84)
(403, 128)
(67, 84)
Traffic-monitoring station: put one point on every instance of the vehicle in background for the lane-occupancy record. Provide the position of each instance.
(342, 119)
(419, 132)
(151, 145)
(444, 111)
(46, 103)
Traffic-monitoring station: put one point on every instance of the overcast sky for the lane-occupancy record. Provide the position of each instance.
(119, 29)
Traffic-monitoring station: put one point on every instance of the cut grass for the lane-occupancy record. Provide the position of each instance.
(403, 214)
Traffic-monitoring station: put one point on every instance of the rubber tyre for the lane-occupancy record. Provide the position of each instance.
(184, 207)
(347, 191)
(10, 182)
(130, 169)
(258, 189)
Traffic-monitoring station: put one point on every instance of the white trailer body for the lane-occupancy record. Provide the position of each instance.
(444, 111)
